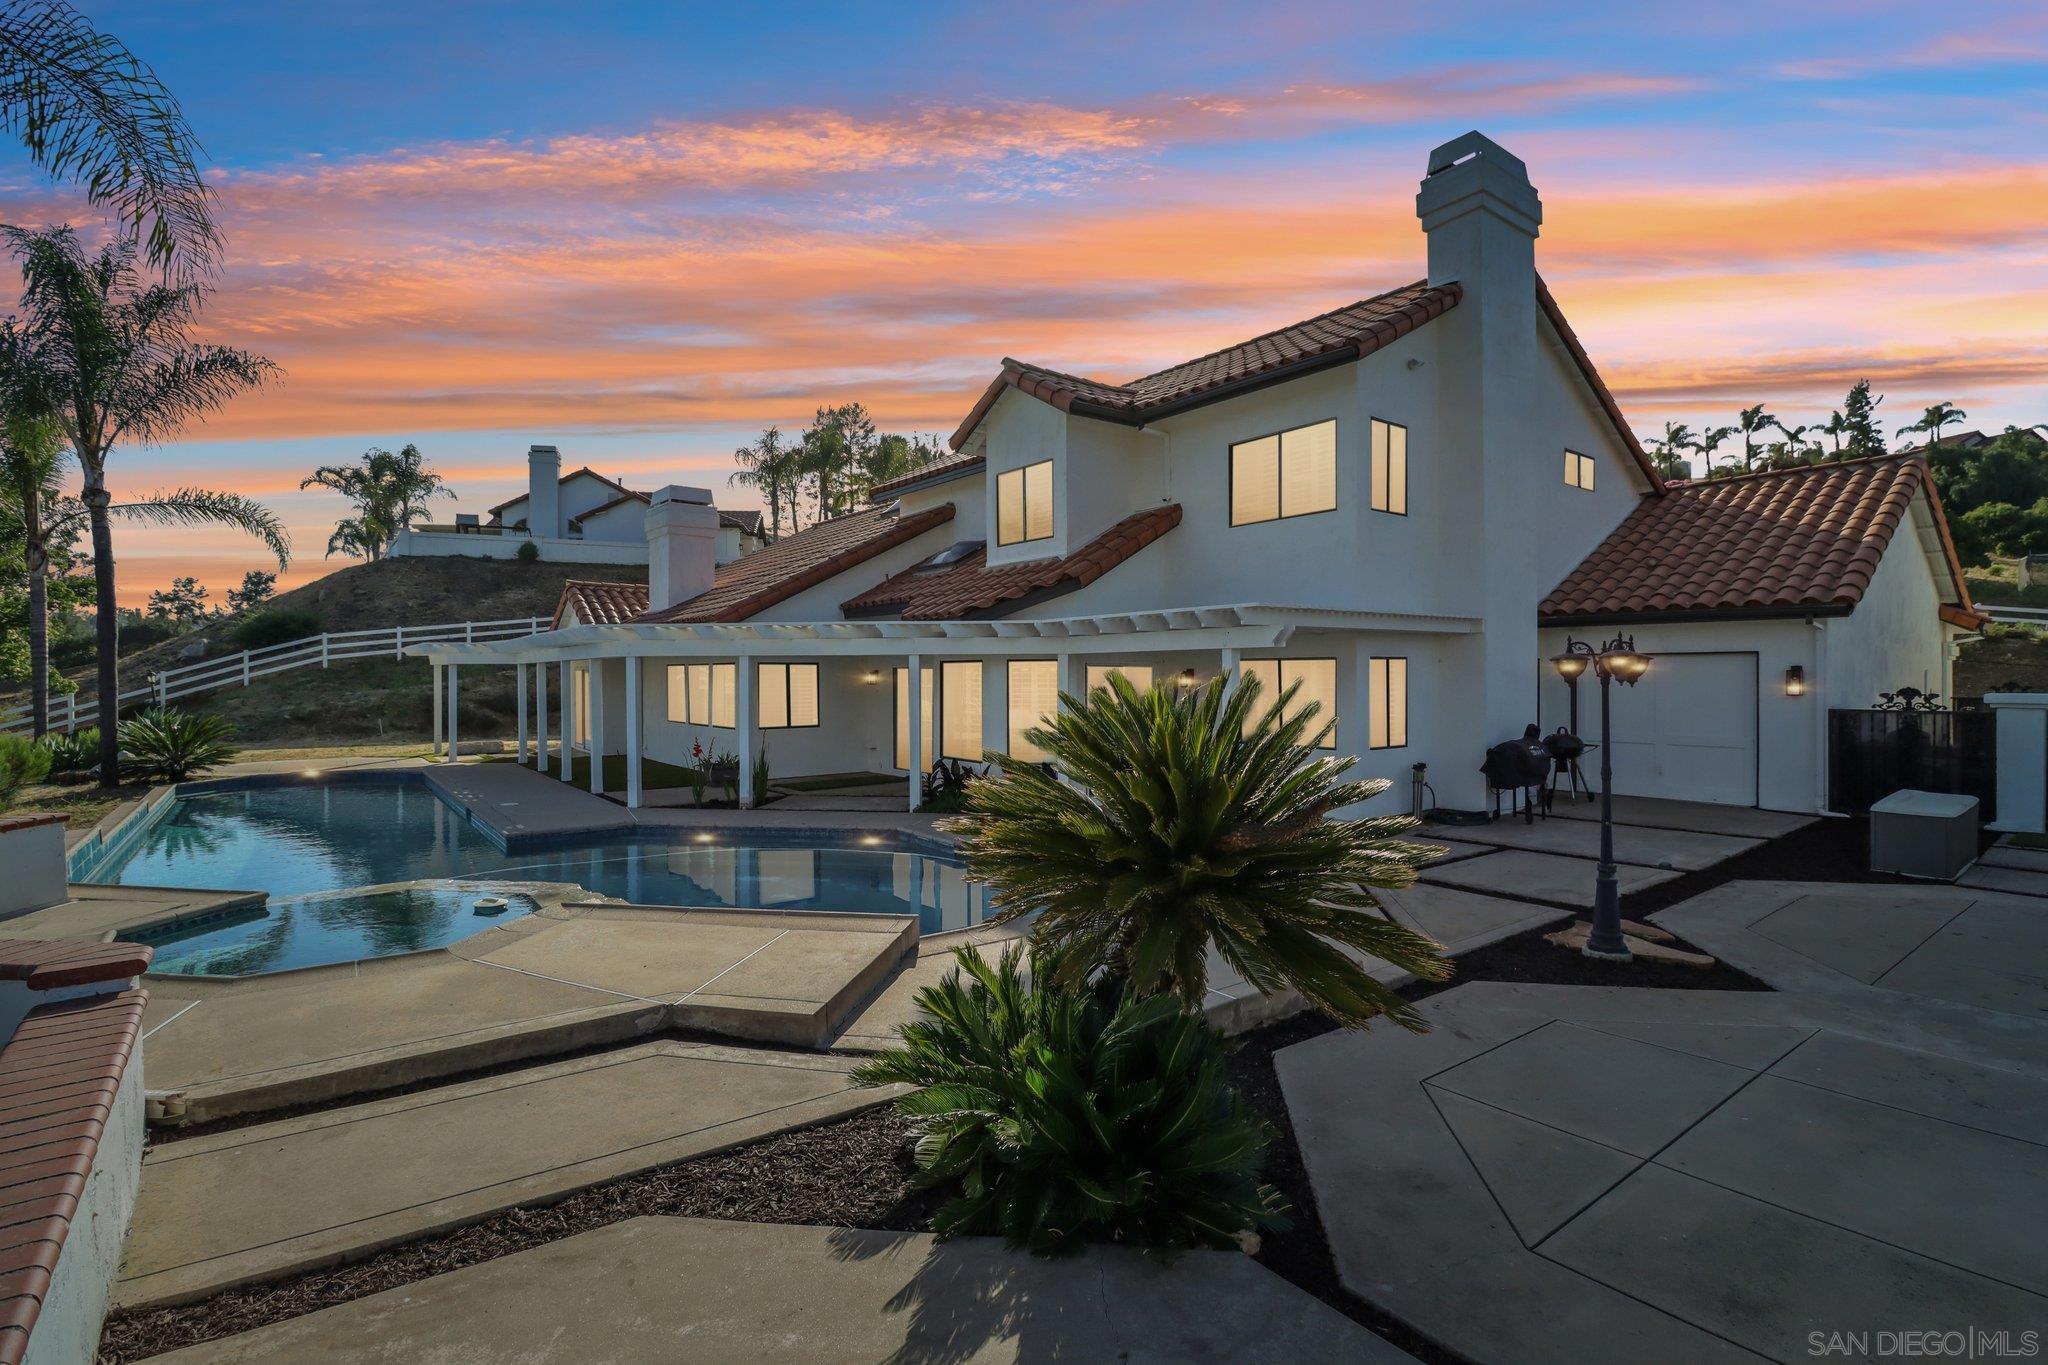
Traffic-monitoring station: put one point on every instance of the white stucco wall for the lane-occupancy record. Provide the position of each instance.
(625, 522)
(1895, 638)
(554, 551)
(853, 733)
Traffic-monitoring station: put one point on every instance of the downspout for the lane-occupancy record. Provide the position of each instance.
(1165, 461)
(1820, 724)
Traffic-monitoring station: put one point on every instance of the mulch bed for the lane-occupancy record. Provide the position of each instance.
(857, 1172)
(854, 1173)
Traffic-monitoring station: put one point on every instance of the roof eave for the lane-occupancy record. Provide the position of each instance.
(1794, 611)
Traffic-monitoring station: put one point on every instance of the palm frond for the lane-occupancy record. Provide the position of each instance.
(88, 110)
(208, 507)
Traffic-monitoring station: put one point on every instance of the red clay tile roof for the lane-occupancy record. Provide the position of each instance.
(972, 588)
(47, 964)
(601, 604)
(1788, 540)
(1345, 333)
(942, 469)
(59, 1075)
(804, 560)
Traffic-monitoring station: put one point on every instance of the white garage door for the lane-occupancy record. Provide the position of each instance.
(1686, 731)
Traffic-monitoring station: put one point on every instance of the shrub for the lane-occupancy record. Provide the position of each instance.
(22, 761)
(1186, 820)
(277, 627)
(1060, 1117)
(529, 553)
(170, 745)
(75, 752)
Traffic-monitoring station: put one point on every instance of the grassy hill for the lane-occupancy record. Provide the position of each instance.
(374, 698)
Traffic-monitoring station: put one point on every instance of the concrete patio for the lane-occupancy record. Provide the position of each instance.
(687, 1289)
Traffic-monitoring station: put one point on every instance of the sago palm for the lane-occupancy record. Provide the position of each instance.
(1170, 821)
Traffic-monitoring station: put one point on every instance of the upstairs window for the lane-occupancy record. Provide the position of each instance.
(1288, 474)
(1578, 470)
(1024, 504)
(1389, 467)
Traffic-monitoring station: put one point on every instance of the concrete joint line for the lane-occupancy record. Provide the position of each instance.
(151, 1033)
(565, 981)
(736, 966)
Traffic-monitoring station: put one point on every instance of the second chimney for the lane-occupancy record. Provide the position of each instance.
(544, 492)
(682, 545)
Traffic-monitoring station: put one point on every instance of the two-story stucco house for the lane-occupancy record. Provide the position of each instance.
(1405, 504)
(580, 517)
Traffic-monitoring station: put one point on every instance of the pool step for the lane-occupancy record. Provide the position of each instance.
(590, 976)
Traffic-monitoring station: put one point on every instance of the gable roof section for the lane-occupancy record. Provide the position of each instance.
(973, 588)
(786, 567)
(601, 604)
(1786, 542)
(577, 473)
(1332, 338)
(628, 496)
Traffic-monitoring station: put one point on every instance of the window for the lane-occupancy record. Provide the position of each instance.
(689, 694)
(789, 696)
(1578, 470)
(1138, 675)
(924, 682)
(1389, 467)
(1387, 697)
(725, 696)
(960, 711)
(1318, 680)
(1034, 697)
(1024, 504)
(1289, 474)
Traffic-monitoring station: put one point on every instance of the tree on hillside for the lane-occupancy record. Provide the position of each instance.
(1996, 498)
(1932, 421)
(1859, 420)
(771, 468)
(1709, 441)
(110, 357)
(1671, 448)
(89, 111)
(1752, 423)
(1835, 428)
(184, 602)
(390, 491)
(32, 508)
(257, 588)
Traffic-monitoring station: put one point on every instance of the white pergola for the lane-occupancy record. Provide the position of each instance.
(1228, 631)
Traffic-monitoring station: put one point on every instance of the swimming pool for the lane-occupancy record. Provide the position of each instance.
(312, 931)
(313, 838)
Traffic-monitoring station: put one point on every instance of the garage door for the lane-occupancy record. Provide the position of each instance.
(1687, 731)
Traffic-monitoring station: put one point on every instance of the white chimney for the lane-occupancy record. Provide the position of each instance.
(1482, 215)
(682, 545)
(544, 491)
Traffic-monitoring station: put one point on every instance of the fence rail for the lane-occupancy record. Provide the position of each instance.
(2036, 616)
(239, 670)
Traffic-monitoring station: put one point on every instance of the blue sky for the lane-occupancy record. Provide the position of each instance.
(644, 231)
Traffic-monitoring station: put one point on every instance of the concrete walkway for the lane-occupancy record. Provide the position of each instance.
(260, 1202)
(696, 1290)
(1605, 1174)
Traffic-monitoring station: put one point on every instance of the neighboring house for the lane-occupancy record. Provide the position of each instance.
(1404, 506)
(580, 517)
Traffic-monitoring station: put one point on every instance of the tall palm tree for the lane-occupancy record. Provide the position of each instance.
(1710, 441)
(1174, 820)
(769, 467)
(1932, 421)
(1752, 423)
(33, 460)
(1835, 428)
(1671, 449)
(109, 356)
(88, 110)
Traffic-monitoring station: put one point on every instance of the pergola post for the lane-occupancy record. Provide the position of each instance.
(540, 717)
(568, 746)
(454, 700)
(914, 718)
(1073, 677)
(747, 709)
(519, 693)
(632, 732)
(438, 714)
(594, 672)
(1233, 670)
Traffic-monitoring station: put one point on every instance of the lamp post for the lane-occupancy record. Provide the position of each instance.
(1615, 659)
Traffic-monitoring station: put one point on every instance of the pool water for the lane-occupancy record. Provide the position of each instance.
(312, 931)
(294, 841)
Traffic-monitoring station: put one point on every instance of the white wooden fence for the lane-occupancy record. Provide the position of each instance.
(2027, 616)
(232, 670)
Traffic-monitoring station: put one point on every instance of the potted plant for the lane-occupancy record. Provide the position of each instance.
(725, 771)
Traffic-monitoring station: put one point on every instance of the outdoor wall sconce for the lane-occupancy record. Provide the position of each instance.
(1186, 678)
(1795, 681)
(872, 677)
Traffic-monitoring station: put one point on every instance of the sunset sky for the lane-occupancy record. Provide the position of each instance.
(643, 231)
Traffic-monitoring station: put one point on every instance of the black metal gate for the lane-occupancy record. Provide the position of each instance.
(1872, 754)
